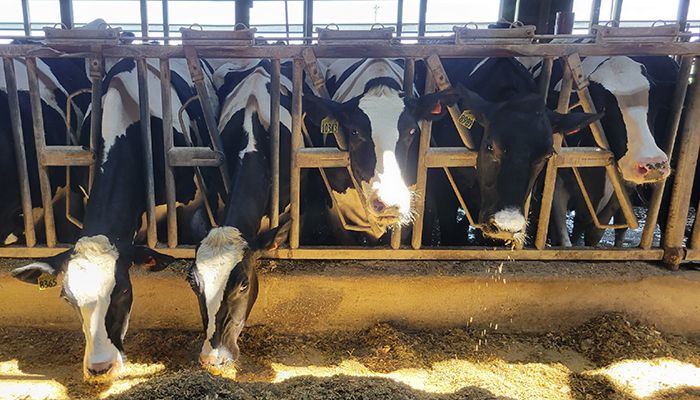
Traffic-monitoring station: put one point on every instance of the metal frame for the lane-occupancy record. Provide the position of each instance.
(324, 158)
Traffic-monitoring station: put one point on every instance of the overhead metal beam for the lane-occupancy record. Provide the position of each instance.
(66, 7)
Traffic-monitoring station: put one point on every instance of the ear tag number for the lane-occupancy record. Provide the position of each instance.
(46, 280)
(466, 119)
(329, 126)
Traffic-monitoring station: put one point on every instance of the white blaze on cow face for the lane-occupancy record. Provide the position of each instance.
(644, 161)
(386, 192)
(219, 253)
(88, 284)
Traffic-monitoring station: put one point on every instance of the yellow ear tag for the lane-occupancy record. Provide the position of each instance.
(46, 280)
(466, 119)
(329, 126)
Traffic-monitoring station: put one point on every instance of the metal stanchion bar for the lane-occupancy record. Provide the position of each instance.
(677, 107)
(297, 141)
(96, 75)
(166, 22)
(40, 143)
(422, 173)
(695, 236)
(682, 15)
(145, 116)
(595, 14)
(20, 154)
(617, 12)
(209, 117)
(144, 18)
(26, 20)
(546, 76)
(672, 240)
(168, 145)
(550, 177)
(408, 77)
(275, 139)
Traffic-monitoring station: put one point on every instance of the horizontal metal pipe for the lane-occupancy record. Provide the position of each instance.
(194, 157)
(59, 156)
(438, 157)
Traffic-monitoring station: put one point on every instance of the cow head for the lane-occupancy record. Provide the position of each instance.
(515, 146)
(621, 87)
(224, 279)
(379, 127)
(96, 283)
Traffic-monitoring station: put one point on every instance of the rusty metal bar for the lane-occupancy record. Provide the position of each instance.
(679, 95)
(59, 156)
(422, 173)
(147, 142)
(40, 143)
(20, 154)
(550, 177)
(297, 76)
(672, 241)
(168, 145)
(275, 95)
(209, 117)
(449, 157)
(546, 76)
(96, 74)
(322, 157)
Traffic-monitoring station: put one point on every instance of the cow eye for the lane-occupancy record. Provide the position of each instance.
(489, 148)
(412, 131)
(244, 286)
(355, 132)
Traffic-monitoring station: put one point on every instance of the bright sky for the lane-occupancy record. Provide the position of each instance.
(265, 12)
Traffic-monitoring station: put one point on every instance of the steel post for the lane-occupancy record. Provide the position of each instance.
(297, 142)
(679, 95)
(147, 142)
(96, 74)
(275, 95)
(672, 241)
(422, 173)
(40, 143)
(20, 154)
(168, 144)
(550, 177)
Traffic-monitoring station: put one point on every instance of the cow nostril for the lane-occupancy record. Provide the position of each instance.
(643, 169)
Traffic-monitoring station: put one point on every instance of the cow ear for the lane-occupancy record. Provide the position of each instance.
(572, 122)
(151, 259)
(273, 238)
(53, 265)
(433, 106)
(318, 108)
(479, 108)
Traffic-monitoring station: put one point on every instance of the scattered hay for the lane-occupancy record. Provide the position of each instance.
(613, 337)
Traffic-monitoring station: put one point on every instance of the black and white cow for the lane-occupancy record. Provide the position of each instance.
(636, 106)
(513, 138)
(380, 124)
(223, 274)
(58, 79)
(96, 270)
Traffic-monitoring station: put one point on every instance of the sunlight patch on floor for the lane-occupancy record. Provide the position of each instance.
(543, 381)
(132, 375)
(645, 378)
(15, 384)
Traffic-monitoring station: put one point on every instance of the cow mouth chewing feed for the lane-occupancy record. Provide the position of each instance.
(508, 225)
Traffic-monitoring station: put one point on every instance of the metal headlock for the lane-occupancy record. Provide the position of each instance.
(473, 44)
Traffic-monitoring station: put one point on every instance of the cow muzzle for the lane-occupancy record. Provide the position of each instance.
(383, 210)
(508, 225)
(650, 170)
(103, 370)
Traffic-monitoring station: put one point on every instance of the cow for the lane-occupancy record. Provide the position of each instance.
(513, 138)
(380, 125)
(223, 275)
(58, 78)
(636, 105)
(96, 270)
